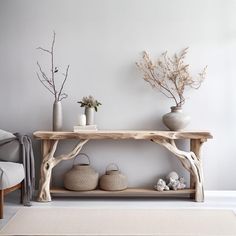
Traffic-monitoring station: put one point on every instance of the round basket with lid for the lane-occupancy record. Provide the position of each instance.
(113, 179)
(81, 177)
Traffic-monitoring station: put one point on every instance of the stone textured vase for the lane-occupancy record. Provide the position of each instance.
(89, 112)
(57, 116)
(176, 120)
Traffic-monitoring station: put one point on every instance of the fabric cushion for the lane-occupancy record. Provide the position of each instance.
(11, 174)
(10, 151)
(6, 135)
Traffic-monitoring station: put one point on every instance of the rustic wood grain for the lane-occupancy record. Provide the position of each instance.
(122, 134)
(48, 163)
(130, 192)
(189, 159)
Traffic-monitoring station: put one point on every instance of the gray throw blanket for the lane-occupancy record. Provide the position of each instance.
(10, 148)
(27, 156)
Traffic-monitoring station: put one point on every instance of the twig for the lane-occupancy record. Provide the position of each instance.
(52, 64)
(62, 86)
(44, 84)
(170, 75)
(43, 49)
(49, 83)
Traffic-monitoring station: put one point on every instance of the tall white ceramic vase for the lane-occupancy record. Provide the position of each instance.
(57, 116)
(176, 120)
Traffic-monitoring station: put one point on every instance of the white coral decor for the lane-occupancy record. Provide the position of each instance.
(173, 175)
(173, 182)
(176, 184)
(161, 185)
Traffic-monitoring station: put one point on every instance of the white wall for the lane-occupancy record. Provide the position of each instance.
(101, 40)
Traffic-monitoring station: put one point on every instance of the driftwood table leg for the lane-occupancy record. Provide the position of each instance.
(192, 185)
(49, 162)
(190, 162)
(48, 147)
(195, 146)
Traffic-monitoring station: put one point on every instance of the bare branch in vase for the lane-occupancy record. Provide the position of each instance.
(50, 83)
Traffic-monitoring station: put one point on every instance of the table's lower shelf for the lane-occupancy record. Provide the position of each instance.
(130, 192)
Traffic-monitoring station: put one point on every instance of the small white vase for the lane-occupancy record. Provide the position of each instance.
(176, 120)
(57, 116)
(82, 120)
(89, 112)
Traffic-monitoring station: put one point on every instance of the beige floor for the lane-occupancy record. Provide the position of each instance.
(113, 221)
(214, 200)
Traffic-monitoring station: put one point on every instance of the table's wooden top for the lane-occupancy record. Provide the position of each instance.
(122, 134)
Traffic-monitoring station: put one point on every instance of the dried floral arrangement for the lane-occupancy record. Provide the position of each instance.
(89, 101)
(170, 75)
(51, 83)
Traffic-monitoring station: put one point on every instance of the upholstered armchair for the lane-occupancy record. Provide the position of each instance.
(16, 164)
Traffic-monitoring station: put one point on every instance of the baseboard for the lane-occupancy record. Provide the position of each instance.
(220, 193)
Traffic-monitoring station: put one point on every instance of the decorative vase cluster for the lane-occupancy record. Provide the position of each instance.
(171, 76)
(91, 106)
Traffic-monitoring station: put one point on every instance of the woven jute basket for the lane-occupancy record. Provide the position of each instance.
(113, 179)
(81, 177)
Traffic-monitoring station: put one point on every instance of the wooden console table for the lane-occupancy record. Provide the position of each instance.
(190, 159)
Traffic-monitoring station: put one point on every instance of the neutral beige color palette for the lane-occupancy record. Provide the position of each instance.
(190, 160)
(79, 221)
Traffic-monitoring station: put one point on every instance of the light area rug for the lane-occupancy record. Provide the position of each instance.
(80, 221)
